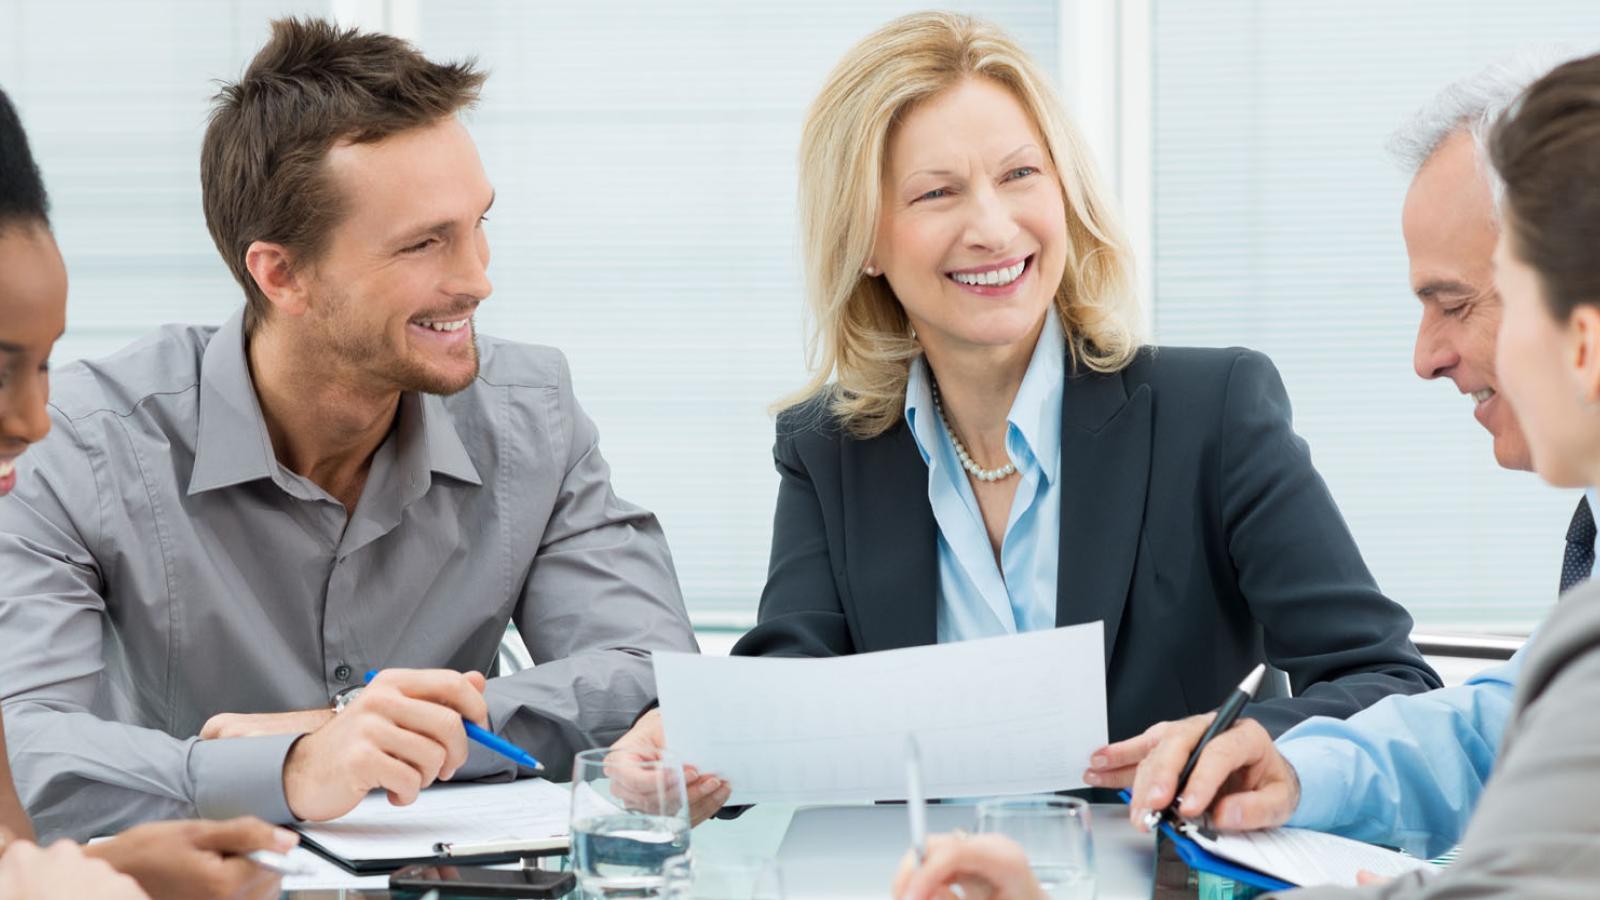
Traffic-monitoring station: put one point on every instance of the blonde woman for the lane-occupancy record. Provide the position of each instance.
(987, 448)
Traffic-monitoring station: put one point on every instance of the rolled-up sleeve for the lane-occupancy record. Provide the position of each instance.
(601, 595)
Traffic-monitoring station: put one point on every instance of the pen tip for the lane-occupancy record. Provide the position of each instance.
(1253, 681)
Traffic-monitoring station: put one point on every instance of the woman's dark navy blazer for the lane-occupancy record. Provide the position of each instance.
(1192, 524)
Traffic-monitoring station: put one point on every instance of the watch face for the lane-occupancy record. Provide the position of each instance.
(346, 696)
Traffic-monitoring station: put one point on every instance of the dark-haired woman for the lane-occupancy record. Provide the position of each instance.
(160, 859)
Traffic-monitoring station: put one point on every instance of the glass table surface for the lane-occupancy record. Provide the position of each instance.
(757, 833)
(761, 829)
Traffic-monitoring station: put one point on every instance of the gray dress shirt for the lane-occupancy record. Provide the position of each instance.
(1536, 832)
(161, 566)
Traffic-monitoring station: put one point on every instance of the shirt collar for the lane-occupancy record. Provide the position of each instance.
(1035, 415)
(920, 414)
(233, 447)
(446, 454)
(1036, 411)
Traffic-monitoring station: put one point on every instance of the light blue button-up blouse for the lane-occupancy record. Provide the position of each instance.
(977, 597)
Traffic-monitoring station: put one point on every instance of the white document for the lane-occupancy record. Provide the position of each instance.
(464, 813)
(1307, 858)
(1006, 715)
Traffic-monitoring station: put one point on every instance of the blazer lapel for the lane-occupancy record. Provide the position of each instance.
(1105, 472)
(891, 541)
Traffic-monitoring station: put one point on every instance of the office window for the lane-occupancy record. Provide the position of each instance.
(1276, 226)
(114, 99)
(643, 155)
(644, 158)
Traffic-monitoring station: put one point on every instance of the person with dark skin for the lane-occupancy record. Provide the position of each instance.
(179, 859)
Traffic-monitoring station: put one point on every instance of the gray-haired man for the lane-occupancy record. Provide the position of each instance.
(1407, 771)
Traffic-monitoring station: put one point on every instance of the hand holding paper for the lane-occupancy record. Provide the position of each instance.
(1007, 715)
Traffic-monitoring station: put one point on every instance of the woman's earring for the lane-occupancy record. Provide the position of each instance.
(870, 271)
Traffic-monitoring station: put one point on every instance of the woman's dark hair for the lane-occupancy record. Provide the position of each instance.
(22, 196)
(1547, 150)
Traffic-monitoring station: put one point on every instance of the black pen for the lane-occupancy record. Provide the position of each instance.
(1227, 714)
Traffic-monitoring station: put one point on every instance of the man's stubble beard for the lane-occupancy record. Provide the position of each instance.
(361, 349)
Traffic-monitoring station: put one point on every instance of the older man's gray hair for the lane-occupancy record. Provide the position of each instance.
(1473, 104)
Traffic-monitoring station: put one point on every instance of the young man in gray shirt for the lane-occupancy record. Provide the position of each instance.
(232, 524)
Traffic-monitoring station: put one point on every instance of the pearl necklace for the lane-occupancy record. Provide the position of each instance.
(973, 469)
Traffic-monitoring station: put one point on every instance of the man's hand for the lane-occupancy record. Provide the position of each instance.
(646, 741)
(63, 872)
(232, 725)
(1241, 777)
(195, 860)
(401, 734)
(1114, 765)
(985, 867)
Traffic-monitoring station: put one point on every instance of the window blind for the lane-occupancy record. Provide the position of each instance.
(643, 155)
(1277, 226)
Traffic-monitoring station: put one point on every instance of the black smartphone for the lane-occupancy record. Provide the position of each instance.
(477, 881)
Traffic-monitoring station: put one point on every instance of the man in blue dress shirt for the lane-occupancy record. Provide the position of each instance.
(1407, 771)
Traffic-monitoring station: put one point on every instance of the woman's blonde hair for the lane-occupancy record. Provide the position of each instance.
(860, 336)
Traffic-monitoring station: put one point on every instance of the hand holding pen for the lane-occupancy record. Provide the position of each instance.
(486, 738)
(401, 734)
(1195, 756)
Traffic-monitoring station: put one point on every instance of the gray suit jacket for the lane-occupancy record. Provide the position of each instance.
(1536, 832)
(162, 567)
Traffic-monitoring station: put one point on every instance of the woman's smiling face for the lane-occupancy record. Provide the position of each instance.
(1548, 370)
(972, 236)
(33, 310)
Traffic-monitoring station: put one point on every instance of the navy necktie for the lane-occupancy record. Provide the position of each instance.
(1579, 559)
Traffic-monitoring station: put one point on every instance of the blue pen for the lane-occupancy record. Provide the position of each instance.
(488, 739)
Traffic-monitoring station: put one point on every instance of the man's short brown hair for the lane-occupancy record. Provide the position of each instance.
(313, 85)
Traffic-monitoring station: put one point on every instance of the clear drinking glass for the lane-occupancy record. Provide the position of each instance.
(1054, 833)
(716, 878)
(629, 816)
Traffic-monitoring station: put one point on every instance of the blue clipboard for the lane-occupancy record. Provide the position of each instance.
(1202, 860)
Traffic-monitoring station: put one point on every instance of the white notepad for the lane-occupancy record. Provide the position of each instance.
(1306, 858)
(377, 834)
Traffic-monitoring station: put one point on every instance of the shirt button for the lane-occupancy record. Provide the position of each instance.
(342, 673)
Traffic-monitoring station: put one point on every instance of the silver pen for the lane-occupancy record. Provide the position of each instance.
(916, 802)
(281, 863)
(1227, 714)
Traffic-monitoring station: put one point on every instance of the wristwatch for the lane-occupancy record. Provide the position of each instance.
(347, 696)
